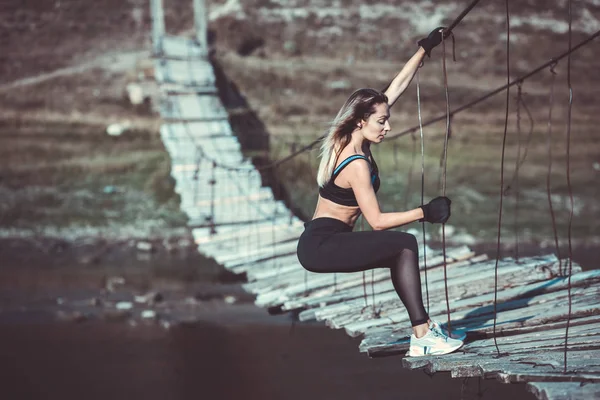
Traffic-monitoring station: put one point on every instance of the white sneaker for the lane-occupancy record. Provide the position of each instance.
(458, 334)
(433, 343)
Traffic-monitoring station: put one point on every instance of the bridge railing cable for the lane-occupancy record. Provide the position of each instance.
(500, 89)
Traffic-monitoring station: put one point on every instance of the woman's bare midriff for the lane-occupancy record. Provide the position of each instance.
(328, 209)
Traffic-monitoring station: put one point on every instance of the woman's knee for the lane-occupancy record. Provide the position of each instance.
(409, 242)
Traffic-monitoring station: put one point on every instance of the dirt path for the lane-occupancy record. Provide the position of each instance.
(110, 61)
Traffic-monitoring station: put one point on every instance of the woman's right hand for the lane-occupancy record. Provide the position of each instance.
(437, 211)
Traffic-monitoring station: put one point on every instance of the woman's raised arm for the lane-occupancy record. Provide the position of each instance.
(404, 77)
(407, 73)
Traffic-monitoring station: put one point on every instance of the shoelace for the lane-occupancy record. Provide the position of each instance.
(438, 333)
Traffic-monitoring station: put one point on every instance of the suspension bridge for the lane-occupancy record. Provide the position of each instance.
(532, 320)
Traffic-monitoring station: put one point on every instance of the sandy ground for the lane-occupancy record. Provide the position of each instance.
(232, 352)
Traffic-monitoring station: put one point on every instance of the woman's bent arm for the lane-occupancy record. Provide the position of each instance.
(404, 77)
(360, 181)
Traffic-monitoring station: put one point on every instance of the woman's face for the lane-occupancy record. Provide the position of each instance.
(377, 125)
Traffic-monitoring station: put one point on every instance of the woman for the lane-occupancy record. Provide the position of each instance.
(348, 180)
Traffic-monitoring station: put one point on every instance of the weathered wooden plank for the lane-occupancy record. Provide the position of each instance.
(373, 338)
(564, 390)
(450, 362)
(178, 47)
(194, 73)
(247, 233)
(193, 108)
(278, 297)
(257, 254)
(547, 339)
(267, 252)
(225, 215)
(355, 326)
(235, 246)
(349, 312)
(353, 299)
(265, 265)
(328, 296)
(541, 317)
(352, 289)
(191, 130)
(507, 367)
(520, 374)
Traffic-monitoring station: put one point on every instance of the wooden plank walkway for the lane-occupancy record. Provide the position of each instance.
(238, 222)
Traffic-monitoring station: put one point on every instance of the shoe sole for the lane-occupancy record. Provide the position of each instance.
(437, 353)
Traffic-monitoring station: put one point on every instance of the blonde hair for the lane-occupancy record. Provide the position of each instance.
(359, 106)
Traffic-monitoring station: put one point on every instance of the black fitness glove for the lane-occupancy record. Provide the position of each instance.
(437, 211)
(434, 38)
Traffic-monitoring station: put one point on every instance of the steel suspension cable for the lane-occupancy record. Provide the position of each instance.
(516, 222)
(461, 16)
(549, 173)
(499, 89)
(422, 185)
(527, 143)
(502, 176)
(569, 116)
(407, 190)
(444, 168)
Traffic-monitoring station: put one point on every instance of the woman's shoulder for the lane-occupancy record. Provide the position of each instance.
(347, 159)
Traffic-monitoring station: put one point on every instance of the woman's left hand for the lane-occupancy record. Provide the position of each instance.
(437, 211)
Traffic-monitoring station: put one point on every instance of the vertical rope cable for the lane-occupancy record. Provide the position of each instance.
(519, 100)
(502, 176)
(364, 276)
(445, 162)
(310, 171)
(422, 186)
(373, 291)
(273, 235)
(212, 182)
(410, 172)
(196, 176)
(548, 175)
(569, 115)
(248, 208)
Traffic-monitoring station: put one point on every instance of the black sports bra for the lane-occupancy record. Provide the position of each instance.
(345, 196)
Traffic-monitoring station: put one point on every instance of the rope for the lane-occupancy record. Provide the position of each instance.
(519, 101)
(528, 141)
(444, 169)
(275, 262)
(569, 114)
(548, 175)
(461, 16)
(407, 190)
(373, 291)
(502, 176)
(422, 186)
(499, 89)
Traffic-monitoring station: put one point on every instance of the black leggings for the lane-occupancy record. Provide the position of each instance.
(329, 245)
